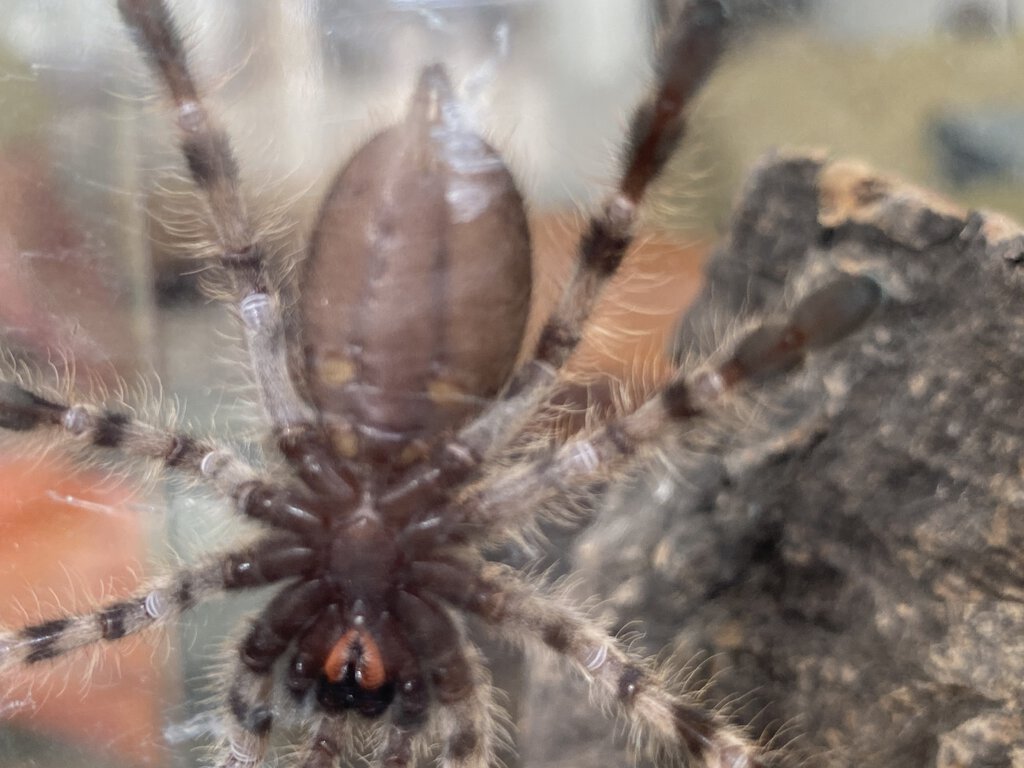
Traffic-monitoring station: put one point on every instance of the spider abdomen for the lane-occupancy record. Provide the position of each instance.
(418, 280)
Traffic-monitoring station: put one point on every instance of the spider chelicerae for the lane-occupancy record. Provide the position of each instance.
(394, 398)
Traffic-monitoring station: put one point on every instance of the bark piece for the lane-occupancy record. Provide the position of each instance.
(847, 554)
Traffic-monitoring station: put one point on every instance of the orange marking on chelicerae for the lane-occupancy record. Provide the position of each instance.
(359, 646)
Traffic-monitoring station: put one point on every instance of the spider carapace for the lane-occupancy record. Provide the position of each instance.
(394, 397)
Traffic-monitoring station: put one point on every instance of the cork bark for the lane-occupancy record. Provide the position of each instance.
(841, 556)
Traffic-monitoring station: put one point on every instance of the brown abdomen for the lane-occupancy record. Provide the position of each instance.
(417, 284)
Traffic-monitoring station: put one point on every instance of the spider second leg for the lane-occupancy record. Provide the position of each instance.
(267, 561)
(511, 499)
(23, 411)
(673, 720)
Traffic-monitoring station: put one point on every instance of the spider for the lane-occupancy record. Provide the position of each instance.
(396, 403)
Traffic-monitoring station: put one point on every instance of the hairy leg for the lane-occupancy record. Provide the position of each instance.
(325, 745)
(252, 680)
(689, 53)
(471, 726)
(266, 562)
(23, 411)
(212, 165)
(671, 719)
(509, 499)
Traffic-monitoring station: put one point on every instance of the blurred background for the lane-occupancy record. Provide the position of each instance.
(97, 226)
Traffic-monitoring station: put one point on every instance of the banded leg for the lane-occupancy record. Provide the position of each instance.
(251, 717)
(657, 127)
(471, 725)
(461, 684)
(509, 499)
(325, 745)
(252, 681)
(211, 163)
(408, 719)
(411, 706)
(268, 561)
(618, 679)
(24, 411)
(689, 54)
(397, 749)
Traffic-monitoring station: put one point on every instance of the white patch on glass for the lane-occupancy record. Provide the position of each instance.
(76, 420)
(584, 456)
(597, 658)
(155, 604)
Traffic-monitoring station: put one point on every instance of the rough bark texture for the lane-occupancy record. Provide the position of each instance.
(846, 551)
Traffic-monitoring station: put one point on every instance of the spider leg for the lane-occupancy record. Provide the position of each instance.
(689, 53)
(23, 411)
(324, 746)
(211, 163)
(269, 560)
(397, 749)
(467, 724)
(460, 683)
(512, 498)
(619, 679)
(470, 724)
(249, 704)
(252, 681)
(410, 710)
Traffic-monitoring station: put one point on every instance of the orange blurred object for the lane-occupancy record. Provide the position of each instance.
(64, 533)
(627, 340)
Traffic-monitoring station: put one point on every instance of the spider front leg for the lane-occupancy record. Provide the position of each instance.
(212, 165)
(324, 746)
(249, 708)
(249, 696)
(471, 725)
(268, 561)
(670, 719)
(689, 54)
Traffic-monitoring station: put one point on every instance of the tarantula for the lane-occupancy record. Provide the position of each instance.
(395, 401)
